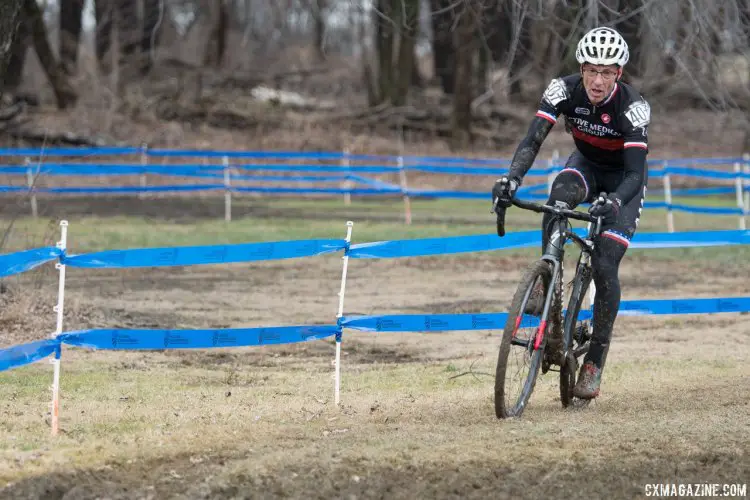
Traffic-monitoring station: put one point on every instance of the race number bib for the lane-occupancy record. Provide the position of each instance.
(556, 92)
(639, 114)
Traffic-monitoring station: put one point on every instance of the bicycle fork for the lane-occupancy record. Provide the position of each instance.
(553, 254)
(556, 269)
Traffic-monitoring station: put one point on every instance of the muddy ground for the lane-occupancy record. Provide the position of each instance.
(416, 419)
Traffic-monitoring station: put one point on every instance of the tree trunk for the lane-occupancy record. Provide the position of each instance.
(408, 20)
(385, 41)
(318, 12)
(127, 28)
(369, 74)
(17, 58)
(152, 16)
(466, 45)
(64, 93)
(520, 50)
(104, 11)
(217, 38)
(630, 31)
(443, 52)
(683, 24)
(9, 20)
(71, 12)
(497, 29)
(417, 79)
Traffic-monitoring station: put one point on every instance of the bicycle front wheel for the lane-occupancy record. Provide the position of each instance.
(574, 343)
(520, 357)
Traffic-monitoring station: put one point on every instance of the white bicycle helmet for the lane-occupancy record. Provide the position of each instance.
(602, 46)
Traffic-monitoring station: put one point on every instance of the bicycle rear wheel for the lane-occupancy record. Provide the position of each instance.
(518, 360)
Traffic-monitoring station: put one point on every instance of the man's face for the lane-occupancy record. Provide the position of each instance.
(599, 80)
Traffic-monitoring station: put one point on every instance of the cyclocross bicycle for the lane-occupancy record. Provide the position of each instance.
(537, 333)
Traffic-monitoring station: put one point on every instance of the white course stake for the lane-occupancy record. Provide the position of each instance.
(404, 190)
(668, 201)
(227, 190)
(746, 169)
(337, 362)
(347, 184)
(62, 245)
(32, 190)
(144, 164)
(740, 196)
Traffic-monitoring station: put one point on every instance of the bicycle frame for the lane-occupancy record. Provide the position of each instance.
(554, 253)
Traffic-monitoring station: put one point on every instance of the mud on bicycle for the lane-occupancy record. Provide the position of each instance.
(538, 333)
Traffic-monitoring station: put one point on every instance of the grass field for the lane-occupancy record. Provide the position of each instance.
(416, 419)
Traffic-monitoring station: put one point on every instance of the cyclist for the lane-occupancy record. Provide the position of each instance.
(608, 120)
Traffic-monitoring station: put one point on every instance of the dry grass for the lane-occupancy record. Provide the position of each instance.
(260, 422)
(255, 422)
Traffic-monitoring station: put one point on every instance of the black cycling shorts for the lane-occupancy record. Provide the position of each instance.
(597, 179)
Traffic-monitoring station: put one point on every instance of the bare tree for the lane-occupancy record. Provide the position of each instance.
(16, 60)
(64, 93)
(217, 38)
(9, 21)
(465, 42)
(317, 8)
(71, 12)
(443, 51)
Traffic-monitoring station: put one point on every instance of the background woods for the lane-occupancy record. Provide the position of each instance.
(461, 70)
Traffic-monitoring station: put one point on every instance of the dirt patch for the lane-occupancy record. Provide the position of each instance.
(620, 476)
(416, 418)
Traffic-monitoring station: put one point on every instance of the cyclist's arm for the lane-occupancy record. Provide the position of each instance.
(529, 147)
(554, 100)
(637, 118)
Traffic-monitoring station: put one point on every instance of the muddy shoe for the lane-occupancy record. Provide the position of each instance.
(589, 379)
(535, 305)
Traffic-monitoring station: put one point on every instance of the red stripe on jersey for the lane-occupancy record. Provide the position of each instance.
(599, 142)
(641, 145)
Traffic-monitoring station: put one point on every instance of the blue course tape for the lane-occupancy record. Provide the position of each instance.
(694, 209)
(37, 152)
(20, 262)
(474, 195)
(373, 182)
(294, 178)
(235, 337)
(370, 169)
(440, 246)
(496, 321)
(99, 169)
(24, 354)
(707, 210)
(425, 322)
(285, 190)
(195, 339)
(698, 172)
(699, 191)
(13, 189)
(474, 171)
(686, 306)
(691, 239)
(131, 189)
(523, 239)
(198, 255)
(410, 160)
